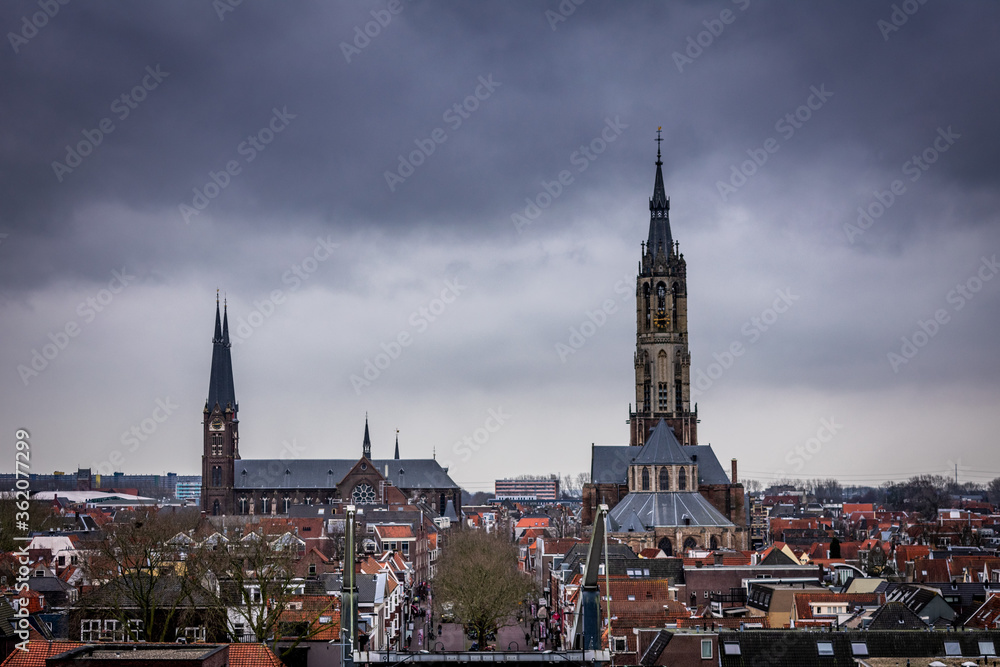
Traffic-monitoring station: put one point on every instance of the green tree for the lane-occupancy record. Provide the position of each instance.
(478, 575)
(40, 518)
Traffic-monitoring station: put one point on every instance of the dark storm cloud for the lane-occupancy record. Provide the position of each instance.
(495, 101)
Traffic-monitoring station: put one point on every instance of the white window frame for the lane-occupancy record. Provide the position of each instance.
(706, 649)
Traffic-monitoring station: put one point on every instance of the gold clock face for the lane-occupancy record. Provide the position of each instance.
(216, 424)
(661, 320)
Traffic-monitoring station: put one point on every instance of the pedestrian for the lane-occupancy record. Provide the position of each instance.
(420, 638)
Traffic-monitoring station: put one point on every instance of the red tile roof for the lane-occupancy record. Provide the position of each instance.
(394, 532)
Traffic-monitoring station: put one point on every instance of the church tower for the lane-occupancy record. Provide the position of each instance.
(221, 427)
(662, 360)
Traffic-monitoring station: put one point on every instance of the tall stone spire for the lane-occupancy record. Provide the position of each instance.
(660, 239)
(221, 390)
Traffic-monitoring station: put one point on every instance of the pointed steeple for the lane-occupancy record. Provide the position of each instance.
(221, 390)
(660, 239)
(366, 445)
(397, 445)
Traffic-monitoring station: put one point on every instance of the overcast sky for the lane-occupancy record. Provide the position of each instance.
(352, 175)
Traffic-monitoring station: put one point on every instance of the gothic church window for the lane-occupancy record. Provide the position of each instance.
(645, 479)
(664, 479)
(216, 475)
(216, 444)
(663, 396)
(681, 480)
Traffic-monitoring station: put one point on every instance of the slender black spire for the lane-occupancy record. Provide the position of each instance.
(221, 390)
(366, 445)
(397, 445)
(660, 239)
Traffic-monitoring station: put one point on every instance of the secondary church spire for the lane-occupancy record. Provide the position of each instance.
(366, 445)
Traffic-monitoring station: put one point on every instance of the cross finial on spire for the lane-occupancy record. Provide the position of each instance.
(216, 296)
(658, 140)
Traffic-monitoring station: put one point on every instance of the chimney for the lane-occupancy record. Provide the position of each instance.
(734, 478)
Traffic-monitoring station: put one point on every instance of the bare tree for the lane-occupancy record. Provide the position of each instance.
(146, 583)
(256, 580)
(478, 574)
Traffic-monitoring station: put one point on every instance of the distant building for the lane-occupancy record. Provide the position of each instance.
(189, 489)
(546, 488)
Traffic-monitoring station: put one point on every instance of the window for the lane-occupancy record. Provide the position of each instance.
(243, 505)
(62, 561)
(217, 444)
(264, 505)
(647, 400)
(621, 645)
(706, 649)
(406, 548)
(192, 634)
(681, 479)
(288, 502)
(216, 475)
(678, 396)
(952, 648)
(859, 649)
(663, 396)
(986, 648)
(824, 648)
(664, 479)
(90, 630)
(312, 569)
(731, 649)
(645, 479)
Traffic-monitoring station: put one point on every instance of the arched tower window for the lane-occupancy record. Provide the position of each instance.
(690, 543)
(681, 479)
(216, 475)
(664, 479)
(645, 479)
(649, 313)
(660, 320)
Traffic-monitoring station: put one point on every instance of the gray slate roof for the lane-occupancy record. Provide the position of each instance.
(662, 448)
(609, 464)
(652, 510)
(327, 473)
